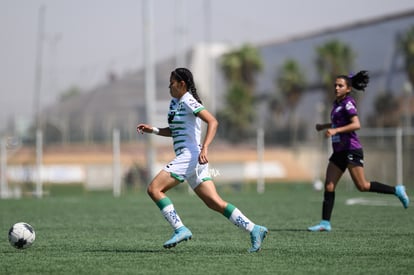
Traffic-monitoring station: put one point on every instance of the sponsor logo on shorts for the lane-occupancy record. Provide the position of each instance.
(212, 172)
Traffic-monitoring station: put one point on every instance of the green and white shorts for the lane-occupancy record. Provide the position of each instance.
(186, 167)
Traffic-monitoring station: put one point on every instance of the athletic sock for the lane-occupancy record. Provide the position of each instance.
(381, 188)
(169, 213)
(328, 204)
(237, 218)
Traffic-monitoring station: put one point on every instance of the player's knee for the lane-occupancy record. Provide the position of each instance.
(151, 191)
(329, 186)
(364, 187)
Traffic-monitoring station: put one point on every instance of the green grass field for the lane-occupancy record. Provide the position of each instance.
(94, 233)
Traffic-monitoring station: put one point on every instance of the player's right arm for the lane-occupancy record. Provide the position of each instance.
(324, 126)
(145, 128)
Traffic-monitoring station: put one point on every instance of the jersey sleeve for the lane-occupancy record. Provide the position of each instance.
(194, 105)
(351, 108)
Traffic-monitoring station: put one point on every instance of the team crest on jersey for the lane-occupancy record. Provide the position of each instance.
(172, 104)
(171, 116)
(173, 110)
(338, 109)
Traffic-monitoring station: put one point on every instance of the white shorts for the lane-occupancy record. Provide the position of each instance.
(186, 167)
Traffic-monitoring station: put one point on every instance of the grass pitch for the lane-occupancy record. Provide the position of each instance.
(94, 233)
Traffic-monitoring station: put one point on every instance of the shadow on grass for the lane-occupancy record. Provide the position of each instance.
(118, 250)
(287, 230)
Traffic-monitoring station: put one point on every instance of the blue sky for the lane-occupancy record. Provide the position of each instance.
(86, 39)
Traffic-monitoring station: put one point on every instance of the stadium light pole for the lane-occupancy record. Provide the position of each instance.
(260, 163)
(116, 163)
(180, 37)
(260, 144)
(3, 169)
(211, 91)
(408, 90)
(399, 155)
(36, 99)
(149, 82)
(38, 65)
(39, 160)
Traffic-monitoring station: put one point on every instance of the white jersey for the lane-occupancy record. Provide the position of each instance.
(184, 124)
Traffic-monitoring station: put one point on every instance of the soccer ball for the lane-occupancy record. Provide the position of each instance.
(318, 185)
(21, 235)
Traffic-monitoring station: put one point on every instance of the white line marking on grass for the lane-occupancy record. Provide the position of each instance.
(372, 202)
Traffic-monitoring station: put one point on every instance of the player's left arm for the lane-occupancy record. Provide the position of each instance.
(212, 125)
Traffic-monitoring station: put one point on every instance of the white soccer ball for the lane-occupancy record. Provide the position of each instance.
(318, 185)
(21, 235)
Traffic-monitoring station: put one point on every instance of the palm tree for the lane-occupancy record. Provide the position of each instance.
(242, 65)
(406, 45)
(291, 82)
(240, 68)
(385, 112)
(333, 58)
(238, 114)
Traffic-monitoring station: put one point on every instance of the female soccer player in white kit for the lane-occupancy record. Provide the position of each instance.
(191, 162)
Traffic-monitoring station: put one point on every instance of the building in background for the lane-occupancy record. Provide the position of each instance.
(120, 103)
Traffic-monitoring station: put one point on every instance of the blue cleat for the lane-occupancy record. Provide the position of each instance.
(322, 226)
(402, 195)
(179, 235)
(257, 236)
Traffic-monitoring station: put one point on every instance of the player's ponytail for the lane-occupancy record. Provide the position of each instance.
(185, 75)
(357, 81)
(360, 80)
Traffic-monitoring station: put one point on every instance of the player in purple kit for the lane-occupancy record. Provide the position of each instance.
(347, 149)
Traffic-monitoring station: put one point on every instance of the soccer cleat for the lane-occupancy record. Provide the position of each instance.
(402, 195)
(179, 235)
(322, 226)
(257, 236)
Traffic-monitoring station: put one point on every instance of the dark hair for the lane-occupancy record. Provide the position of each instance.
(185, 75)
(358, 81)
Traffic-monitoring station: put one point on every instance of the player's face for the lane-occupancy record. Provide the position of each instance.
(174, 87)
(341, 88)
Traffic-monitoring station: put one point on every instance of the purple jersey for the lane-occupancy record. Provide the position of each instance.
(341, 115)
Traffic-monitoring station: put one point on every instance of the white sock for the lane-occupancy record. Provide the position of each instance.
(171, 216)
(241, 220)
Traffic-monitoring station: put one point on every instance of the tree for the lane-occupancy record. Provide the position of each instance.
(385, 113)
(291, 82)
(70, 93)
(333, 58)
(406, 45)
(242, 65)
(239, 113)
(240, 68)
